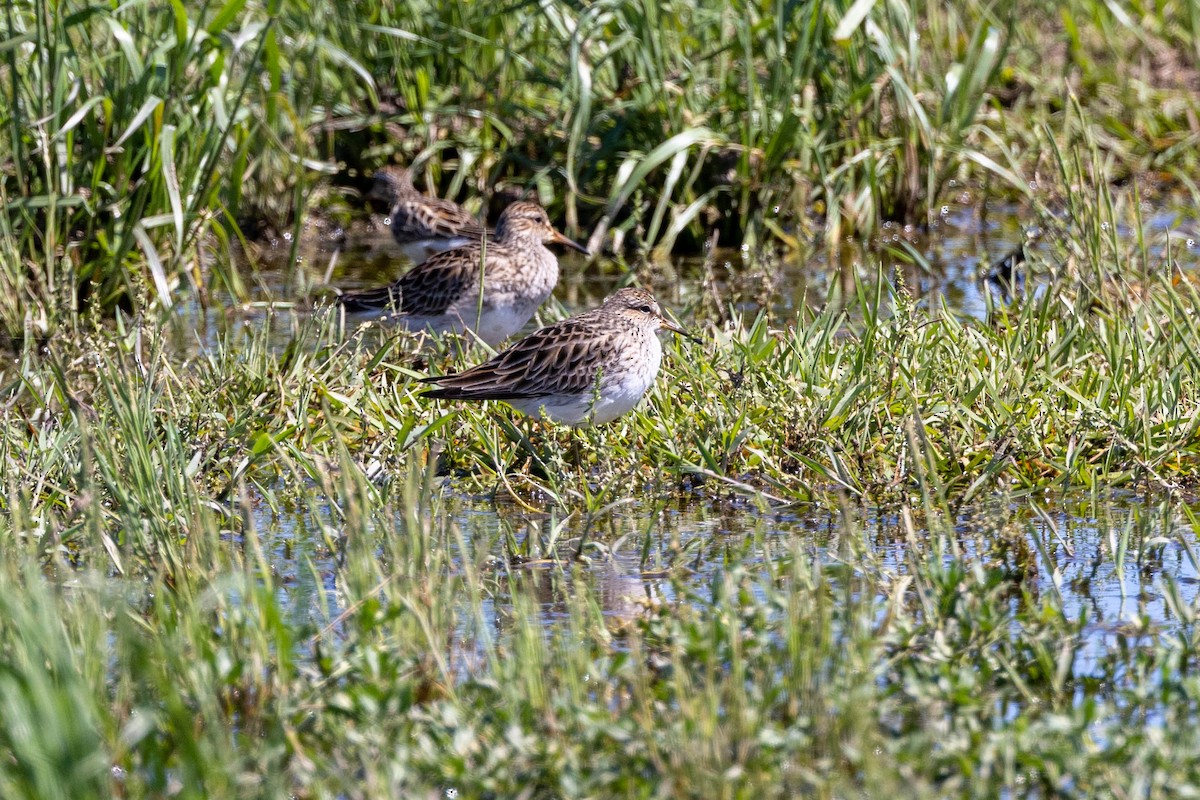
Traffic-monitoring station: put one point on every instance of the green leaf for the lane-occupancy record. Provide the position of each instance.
(145, 111)
(166, 149)
(852, 19)
(262, 443)
(667, 150)
(127, 45)
(181, 23)
(154, 262)
(77, 117)
(223, 17)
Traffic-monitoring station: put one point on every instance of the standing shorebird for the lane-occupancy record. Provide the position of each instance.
(491, 287)
(592, 367)
(422, 225)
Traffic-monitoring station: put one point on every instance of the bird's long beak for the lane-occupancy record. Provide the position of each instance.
(555, 236)
(675, 327)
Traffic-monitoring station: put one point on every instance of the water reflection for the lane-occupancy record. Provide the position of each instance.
(1103, 558)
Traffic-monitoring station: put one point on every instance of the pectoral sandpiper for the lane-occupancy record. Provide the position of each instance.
(422, 225)
(491, 287)
(589, 368)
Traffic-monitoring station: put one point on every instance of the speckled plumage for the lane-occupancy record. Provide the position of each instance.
(589, 368)
(422, 225)
(444, 294)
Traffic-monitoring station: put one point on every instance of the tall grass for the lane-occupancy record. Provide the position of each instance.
(243, 570)
(124, 129)
(139, 146)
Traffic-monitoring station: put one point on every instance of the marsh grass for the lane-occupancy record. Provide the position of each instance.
(1057, 394)
(158, 642)
(820, 674)
(237, 569)
(140, 147)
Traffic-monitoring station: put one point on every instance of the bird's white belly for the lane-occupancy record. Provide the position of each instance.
(622, 399)
(497, 324)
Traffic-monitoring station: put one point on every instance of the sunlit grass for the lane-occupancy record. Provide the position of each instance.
(148, 632)
(139, 146)
(158, 638)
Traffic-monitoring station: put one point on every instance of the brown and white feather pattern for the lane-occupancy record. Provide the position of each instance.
(492, 287)
(423, 225)
(592, 367)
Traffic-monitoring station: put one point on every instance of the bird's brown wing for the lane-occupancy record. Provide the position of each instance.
(429, 289)
(559, 359)
(422, 218)
(381, 299)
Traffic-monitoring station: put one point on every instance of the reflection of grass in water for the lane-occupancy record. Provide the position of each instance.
(146, 628)
(851, 672)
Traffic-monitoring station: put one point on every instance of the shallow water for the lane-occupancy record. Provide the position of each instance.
(1109, 557)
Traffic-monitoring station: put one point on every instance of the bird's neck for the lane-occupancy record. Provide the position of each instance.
(517, 238)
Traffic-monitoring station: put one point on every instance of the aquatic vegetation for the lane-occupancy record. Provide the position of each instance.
(160, 625)
(859, 545)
